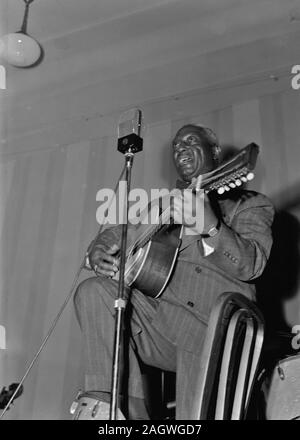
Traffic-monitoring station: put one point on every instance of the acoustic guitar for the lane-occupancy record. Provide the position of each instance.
(151, 257)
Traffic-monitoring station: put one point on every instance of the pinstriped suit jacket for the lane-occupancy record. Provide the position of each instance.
(241, 251)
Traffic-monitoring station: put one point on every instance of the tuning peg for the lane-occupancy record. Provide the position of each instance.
(232, 185)
(226, 188)
(238, 182)
(250, 176)
(221, 190)
(244, 179)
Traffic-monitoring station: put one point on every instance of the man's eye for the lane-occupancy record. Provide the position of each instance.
(192, 139)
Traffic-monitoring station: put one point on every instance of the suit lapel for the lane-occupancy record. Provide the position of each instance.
(187, 240)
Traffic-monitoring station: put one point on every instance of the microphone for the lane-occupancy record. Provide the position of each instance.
(130, 131)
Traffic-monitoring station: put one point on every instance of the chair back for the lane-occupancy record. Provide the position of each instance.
(230, 359)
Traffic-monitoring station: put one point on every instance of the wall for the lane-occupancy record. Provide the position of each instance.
(48, 211)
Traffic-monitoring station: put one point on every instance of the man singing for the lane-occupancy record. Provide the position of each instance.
(226, 254)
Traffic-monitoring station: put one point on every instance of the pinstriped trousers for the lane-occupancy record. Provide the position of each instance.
(148, 337)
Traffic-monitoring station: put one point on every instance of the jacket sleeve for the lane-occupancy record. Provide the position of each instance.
(243, 247)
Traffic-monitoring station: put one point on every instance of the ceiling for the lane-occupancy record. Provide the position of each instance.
(57, 18)
(160, 46)
(114, 37)
(54, 18)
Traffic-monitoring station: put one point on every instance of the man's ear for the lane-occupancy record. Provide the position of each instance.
(217, 154)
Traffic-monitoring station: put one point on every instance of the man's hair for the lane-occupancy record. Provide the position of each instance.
(209, 138)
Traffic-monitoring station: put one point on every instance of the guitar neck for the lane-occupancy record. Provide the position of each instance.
(151, 230)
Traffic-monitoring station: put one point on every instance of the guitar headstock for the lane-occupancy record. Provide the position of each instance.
(233, 173)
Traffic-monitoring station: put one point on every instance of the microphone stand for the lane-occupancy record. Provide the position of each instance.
(128, 145)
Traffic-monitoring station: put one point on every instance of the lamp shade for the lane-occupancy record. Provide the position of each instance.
(19, 49)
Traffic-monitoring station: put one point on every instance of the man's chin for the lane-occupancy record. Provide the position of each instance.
(186, 175)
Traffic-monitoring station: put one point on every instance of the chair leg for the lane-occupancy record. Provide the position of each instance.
(255, 359)
(211, 349)
(240, 390)
(223, 378)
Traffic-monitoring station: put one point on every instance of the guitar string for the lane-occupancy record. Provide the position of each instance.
(146, 236)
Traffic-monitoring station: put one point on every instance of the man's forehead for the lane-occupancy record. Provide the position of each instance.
(188, 129)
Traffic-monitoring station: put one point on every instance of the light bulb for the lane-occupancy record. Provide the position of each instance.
(19, 49)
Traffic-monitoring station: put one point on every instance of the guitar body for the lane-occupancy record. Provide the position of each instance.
(149, 270)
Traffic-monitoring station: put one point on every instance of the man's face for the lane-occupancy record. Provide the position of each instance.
(192, 155)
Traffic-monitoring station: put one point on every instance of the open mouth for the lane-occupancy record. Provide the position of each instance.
(182, 160)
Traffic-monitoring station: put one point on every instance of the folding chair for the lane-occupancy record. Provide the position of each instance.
(230, 359)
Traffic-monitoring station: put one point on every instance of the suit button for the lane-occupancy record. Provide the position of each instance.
(198, 269)
(190, 303)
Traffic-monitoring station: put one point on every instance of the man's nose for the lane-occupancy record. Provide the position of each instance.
(180, 146)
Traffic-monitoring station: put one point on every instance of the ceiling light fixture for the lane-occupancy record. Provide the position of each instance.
(18, 48)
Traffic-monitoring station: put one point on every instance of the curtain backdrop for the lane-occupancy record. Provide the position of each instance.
(48, 217)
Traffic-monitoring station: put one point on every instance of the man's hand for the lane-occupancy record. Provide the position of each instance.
(194, 211)
(104, 260)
